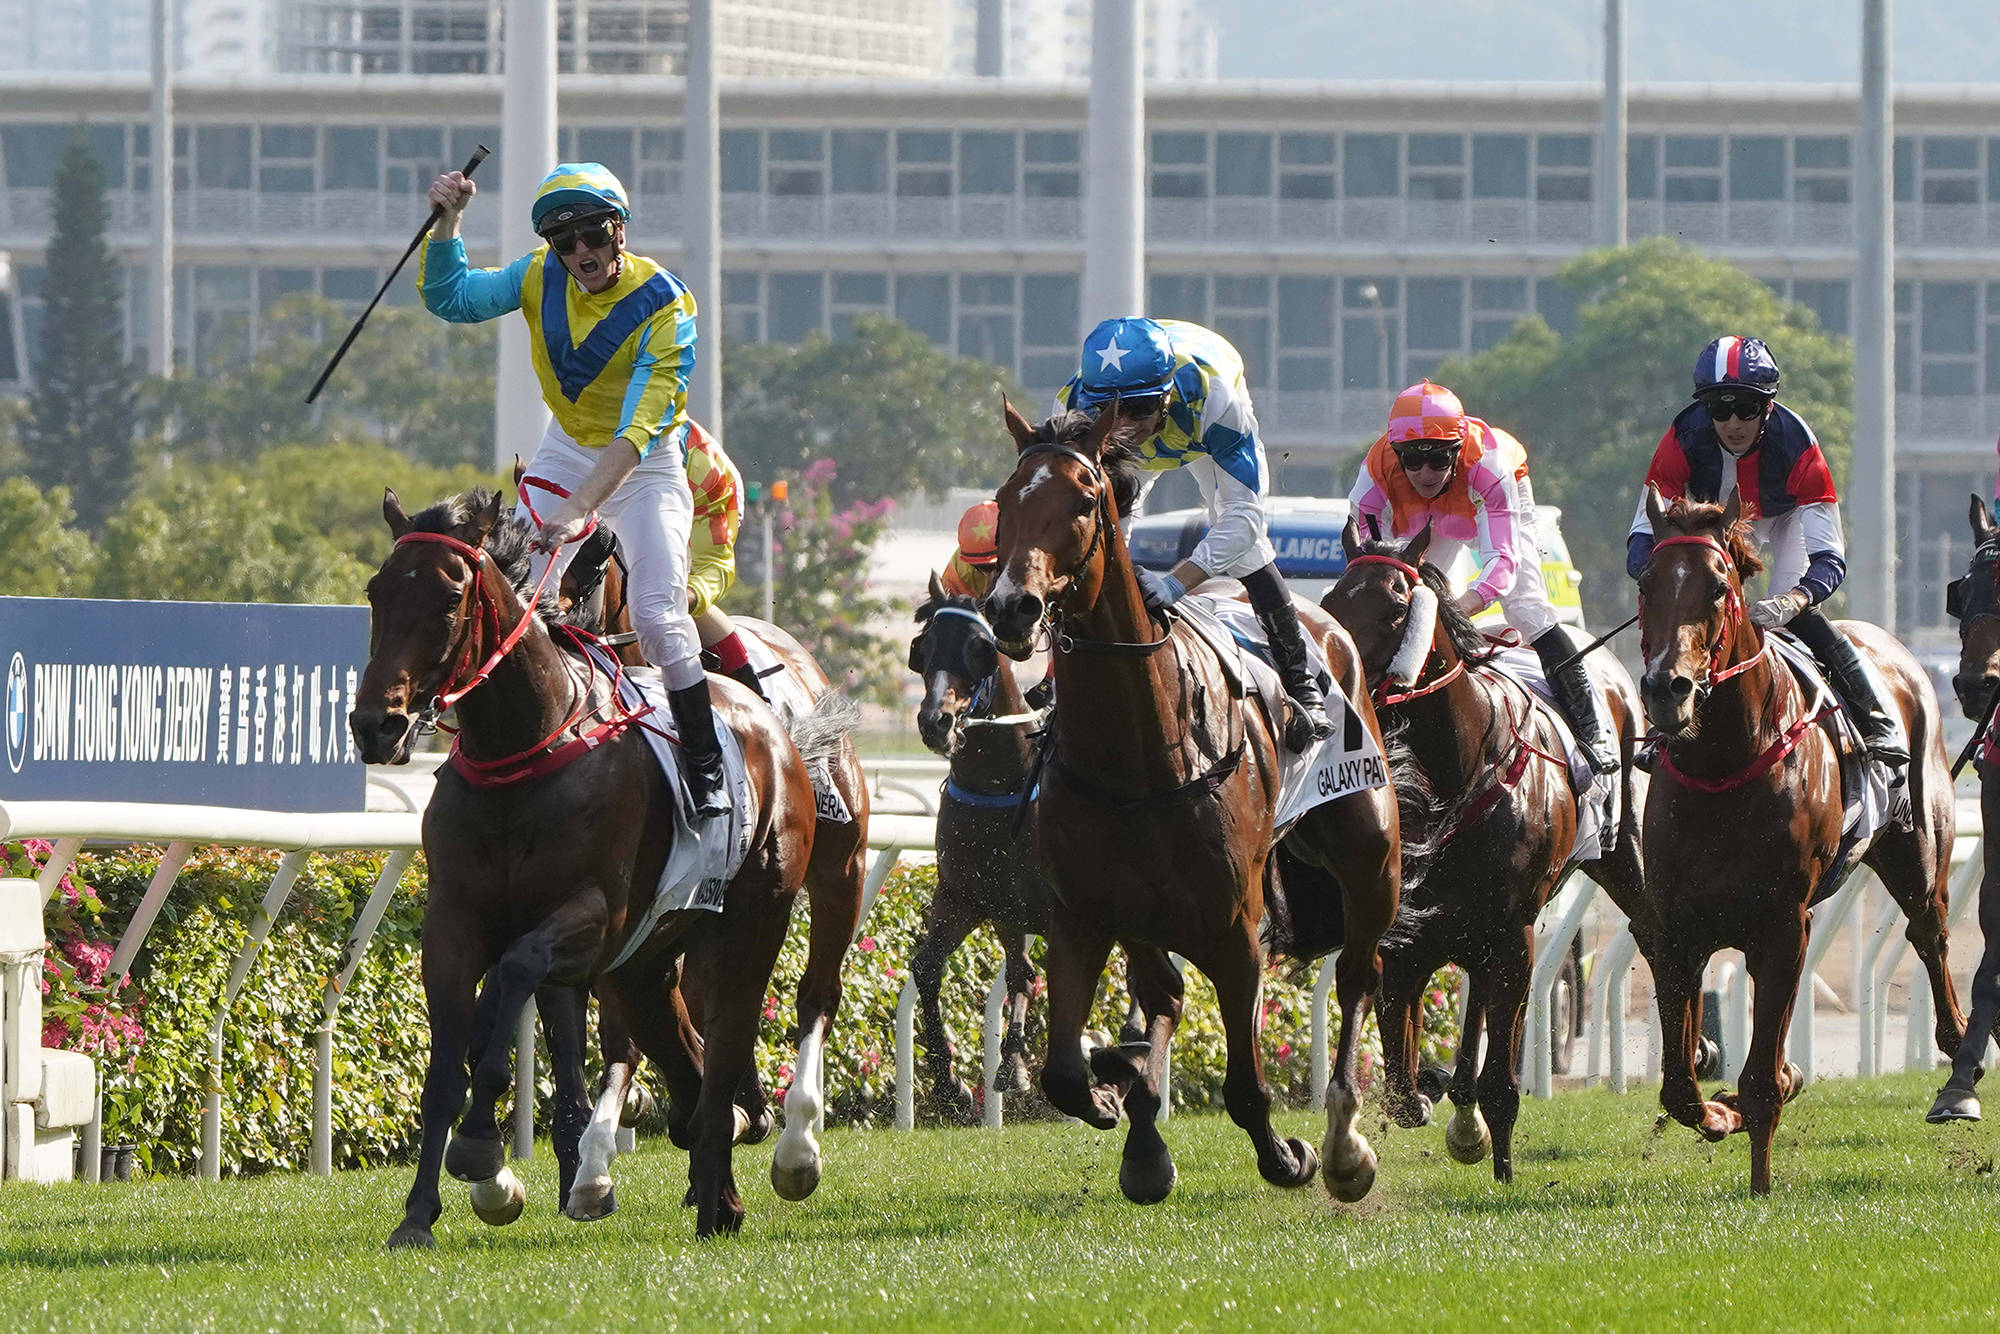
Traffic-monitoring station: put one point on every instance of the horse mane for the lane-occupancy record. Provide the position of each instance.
(507, 545)
(1698, 519)
(1467, 639)
(1119, 457)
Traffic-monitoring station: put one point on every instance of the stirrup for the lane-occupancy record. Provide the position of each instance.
(1305, 724)
(706, 784)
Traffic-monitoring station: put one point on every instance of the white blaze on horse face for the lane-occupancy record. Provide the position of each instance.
(1043, 472)
(1672, 648)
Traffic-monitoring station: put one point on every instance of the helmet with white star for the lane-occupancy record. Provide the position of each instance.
(1128, 357)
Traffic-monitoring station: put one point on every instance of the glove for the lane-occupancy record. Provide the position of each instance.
(1159, 591)
(1773, 612)
(563, 527)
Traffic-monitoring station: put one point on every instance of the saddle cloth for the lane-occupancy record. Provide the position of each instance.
(704, 858)
(1597, 795)
(1347, 761)
(792, 699)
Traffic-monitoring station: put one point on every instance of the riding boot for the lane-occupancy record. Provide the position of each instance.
(1837, 654)
(747, 675)
(701, 753)
(1576, 696)
(1280, 620)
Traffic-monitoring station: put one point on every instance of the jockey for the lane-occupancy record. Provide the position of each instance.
(1469, 480)
(612, 336)
(718, 513)
(1737, 436)
(970, 573)
(1181, 388)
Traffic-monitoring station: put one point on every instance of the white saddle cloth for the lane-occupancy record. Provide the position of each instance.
(790, 696)
(1597, 795)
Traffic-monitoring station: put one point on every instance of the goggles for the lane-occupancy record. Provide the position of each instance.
(1438, 458)
(1739, 407)
(591, 233)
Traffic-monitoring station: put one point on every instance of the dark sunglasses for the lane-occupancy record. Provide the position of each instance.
(1734, 407)
(593, 234)
(1440, 459)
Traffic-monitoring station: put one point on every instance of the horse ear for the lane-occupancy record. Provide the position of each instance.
(1350, 538)
(937, 589)
(1732, 512)
(1419, 546)
(1983, 527)
(1656, 508)
(520, 471)
(392, 511)
(484, 522)
(1017, 425)
(1101, 429)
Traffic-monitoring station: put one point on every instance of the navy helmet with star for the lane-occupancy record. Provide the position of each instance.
(1127, 357)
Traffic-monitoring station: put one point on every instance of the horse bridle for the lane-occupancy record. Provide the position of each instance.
(1715, 673)
(1384, 697)
(983, 688)
(1957, 602)
(485, 616)
(1052, 613)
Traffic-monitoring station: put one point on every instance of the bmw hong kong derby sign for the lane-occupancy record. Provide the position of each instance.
(186, 703)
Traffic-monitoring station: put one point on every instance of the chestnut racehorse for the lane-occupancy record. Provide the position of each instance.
(1747, 794)
(1975, 602)
(1155, 819)
(543, 848)
(1505, 829)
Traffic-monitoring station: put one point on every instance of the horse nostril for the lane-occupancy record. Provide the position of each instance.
(1681, 686)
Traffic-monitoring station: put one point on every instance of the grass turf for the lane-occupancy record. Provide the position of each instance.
(1609, 1224)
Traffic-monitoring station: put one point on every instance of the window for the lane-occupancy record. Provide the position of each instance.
(1906, 343)
(1178, 296)
(1436, 319)
(285, 158)
(986, 317)
(1906, 170)
(274, 285)
(1498, 304)
(1993, 338)
(1372, 168)
(32, 152)
(351, 158)
(1243, 166)
(1370, 333)
(1822, 170)
(1180, 166)
(1562, 168)
(923, 163)
(742, 307)
(1756, 168)
(1499, 166)
(1828, 299)
(742, 153)
(1437, 166)
(662, 154)
(463, 141)
(858, 294)
(1049, 164)
(1305, 334)
(222, 157)
(1305, 166)
(1951, 171)
(1556, 305)
(923, 301)
(796, 305)
(797, 164)
(1948, 339)
(860, 162)
(414, 157)
(1050, 306)
(985, 163)
(611, 147)
(1693, 169)
(1642, 167)
(1243, 316)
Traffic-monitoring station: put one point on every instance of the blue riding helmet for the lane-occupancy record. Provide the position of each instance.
(1127, 357)
(578, 190)
(1731, 362)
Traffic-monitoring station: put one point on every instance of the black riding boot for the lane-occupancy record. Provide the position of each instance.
(701, 753)
(1576, 696)
(1837, 654)
(1280, 619)
(747, 675)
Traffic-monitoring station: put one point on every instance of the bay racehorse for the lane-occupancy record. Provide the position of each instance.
(1503, 828)
(544, 838)
(1747, 794)
(1155, 820)
(1975, 602)
(593, 587)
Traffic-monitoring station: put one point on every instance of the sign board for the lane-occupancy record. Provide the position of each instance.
(187, 703)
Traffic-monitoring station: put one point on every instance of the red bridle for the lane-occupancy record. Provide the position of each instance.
(1385, 697)
(1733, 612)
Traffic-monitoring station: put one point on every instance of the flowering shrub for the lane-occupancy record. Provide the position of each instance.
(82, 1010)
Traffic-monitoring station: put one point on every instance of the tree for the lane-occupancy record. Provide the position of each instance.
(1592, 406)
(894, 412)
(46, 558)
(79, 429)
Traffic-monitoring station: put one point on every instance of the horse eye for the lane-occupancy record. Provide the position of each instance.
(1085, 503)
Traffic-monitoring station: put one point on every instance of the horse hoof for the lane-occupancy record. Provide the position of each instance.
(1433, 1081)
(638, 1105)
(1413, 1112)
(1953, 1104)
(1121, 1066)
(474, 1159)
(590, 1200)
(411, 1237)
(1147, 1178)
(742, 1124)
(754, 1130)
(795, 1181)
(1718, 1122)
(1794, 1081)
(499, 1202)
(687, 1200)
(1349, 1184)
(1707, 1059)
(1466, 1138)
(1307, 1161)
(1016, 1079)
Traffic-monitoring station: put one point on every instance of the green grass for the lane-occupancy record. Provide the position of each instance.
(1877, 1220)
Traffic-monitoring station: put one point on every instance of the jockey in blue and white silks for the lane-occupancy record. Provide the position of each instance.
(1181, 390)
(613, 342)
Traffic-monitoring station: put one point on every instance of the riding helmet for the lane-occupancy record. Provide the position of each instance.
(1731, 362)
(578, 190)
(978, 533)
(1127, 357)
(1426, 411)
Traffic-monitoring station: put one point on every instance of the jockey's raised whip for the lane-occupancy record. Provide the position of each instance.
(1592, 646)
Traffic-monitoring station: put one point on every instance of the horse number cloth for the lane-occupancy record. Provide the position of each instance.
(1597, 813)
(793, 699)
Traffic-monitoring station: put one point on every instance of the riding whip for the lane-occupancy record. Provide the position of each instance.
(1592, 646)
(1978, 733)
(471, 165)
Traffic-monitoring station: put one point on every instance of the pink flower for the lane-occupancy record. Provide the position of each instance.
(868, 944)
(771, 1007)
(1284, 1051)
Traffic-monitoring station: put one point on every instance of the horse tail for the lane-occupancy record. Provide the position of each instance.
(822, 730)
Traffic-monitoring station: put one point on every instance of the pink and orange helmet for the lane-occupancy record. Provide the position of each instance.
(1426, 411)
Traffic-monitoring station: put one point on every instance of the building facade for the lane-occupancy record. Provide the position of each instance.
(1050, 39)
(1347, 238)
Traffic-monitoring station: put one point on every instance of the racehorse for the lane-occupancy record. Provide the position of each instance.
(1975, 602)
(543, 837)
(1747, 793)
(1504, 829)
(593, 585)
(1155, 820)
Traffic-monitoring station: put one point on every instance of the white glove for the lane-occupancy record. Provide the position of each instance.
(1771, 613)
(563, 527)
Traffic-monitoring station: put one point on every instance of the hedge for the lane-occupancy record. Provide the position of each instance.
(151, 1036)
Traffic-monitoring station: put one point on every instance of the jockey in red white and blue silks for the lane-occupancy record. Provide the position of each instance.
(612, 337)
(1183, 399)
(1469, 481)
(1737, 437)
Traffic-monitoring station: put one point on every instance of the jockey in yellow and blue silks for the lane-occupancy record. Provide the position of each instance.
(612, 337)
(1182, 394)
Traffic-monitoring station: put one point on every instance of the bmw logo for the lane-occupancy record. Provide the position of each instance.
(17, 713)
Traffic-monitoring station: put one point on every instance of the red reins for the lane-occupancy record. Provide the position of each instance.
(1717, 673)
(1384, 696)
